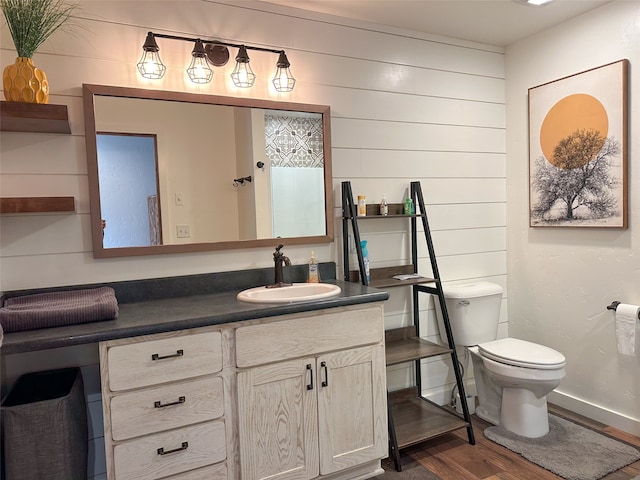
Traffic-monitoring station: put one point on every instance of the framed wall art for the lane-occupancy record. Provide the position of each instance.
(578, 149)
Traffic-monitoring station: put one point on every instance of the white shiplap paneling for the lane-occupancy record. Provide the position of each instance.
(405, 106)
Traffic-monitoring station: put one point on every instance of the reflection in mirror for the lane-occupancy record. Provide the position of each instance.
(163, 168)
(127, 172)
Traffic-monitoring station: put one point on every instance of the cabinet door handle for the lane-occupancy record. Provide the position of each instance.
(178, 353)
(162, 451)
(325, 382)
(159, 404)
(310, 384)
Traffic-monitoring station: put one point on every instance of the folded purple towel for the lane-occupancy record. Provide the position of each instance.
(57, 309)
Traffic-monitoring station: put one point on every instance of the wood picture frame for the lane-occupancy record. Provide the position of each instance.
(578, 149)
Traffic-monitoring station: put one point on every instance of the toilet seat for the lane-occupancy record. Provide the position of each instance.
(520, 353)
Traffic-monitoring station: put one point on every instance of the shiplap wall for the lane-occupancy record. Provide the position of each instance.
(404, 107)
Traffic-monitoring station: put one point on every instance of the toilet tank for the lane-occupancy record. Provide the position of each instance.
(474, 312)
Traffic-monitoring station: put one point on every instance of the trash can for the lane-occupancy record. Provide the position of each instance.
(44, 421)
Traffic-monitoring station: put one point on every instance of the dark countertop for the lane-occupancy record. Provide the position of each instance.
(158, 315)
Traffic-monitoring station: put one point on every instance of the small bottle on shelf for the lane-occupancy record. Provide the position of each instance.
(365, 257)
(362, 206)
(408, 206)
(384, 206)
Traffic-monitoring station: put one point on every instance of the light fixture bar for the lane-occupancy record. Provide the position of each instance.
(215, 42)
(150, 66)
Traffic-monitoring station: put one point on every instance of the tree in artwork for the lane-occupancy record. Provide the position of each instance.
(573, 179)
(577, 177)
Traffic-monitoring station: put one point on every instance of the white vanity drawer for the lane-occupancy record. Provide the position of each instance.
(212, 472)
(169, 453)
(164, 360)
(165, 407)
(309, 334)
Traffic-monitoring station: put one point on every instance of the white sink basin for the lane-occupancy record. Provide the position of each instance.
(296, 292)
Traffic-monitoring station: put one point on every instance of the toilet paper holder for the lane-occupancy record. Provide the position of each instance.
(614, 306)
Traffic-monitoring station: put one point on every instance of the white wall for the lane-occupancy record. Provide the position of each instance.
(404, 106)
(561, 279)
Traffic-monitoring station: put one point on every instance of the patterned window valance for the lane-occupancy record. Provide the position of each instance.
(294, 141)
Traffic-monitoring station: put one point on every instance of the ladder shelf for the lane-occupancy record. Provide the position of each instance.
(412, 417)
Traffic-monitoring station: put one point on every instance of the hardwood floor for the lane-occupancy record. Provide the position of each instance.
(450, 457)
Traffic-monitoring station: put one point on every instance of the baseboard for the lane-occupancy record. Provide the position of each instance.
(442, 395)
(596, 412)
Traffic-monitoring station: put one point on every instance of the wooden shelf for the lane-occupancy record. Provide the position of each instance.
(34, 117)
(402, 345)
(416, 419)
(395, 210)
(383, 277)
(37, 204)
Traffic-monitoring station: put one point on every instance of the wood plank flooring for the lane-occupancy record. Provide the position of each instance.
(450, 457)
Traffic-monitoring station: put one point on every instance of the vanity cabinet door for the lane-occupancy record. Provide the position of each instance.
(278, 421)
(352, 411)
(314, 416)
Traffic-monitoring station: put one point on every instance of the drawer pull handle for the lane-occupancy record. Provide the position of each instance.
(162, 451)
(325, 382)
(159, 404)
(310, 384)
(178, 353)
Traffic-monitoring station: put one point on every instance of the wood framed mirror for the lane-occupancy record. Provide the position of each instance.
(174, 172)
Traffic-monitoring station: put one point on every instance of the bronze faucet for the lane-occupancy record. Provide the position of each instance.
(280, 260)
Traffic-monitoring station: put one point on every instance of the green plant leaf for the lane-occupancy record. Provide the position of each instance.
(31, 22)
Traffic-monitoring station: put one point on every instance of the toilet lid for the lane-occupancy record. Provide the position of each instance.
(520, 353)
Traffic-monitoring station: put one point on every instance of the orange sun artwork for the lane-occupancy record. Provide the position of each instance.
(578, 149)
(574, 112)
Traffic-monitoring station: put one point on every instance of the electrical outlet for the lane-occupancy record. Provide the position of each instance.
(183, 231)
(179, 200)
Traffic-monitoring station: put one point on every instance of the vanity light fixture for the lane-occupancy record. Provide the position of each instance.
(242, 75)
(283, 81)
(199, 71)
(216, 53)
(150, 65)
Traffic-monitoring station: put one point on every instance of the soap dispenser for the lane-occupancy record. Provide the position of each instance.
(314, 275)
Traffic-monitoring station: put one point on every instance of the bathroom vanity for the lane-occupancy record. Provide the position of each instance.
(203, 386)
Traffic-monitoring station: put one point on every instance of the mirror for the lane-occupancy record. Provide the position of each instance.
(177, 172)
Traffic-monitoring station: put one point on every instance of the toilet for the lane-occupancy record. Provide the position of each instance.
(513, 377)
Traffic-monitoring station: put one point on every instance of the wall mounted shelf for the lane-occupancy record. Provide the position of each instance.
(34, 117)
(37, 205)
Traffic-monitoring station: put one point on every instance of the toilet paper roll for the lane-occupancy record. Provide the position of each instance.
(626, 318)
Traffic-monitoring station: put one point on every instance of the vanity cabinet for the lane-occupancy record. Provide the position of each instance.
(163, 403)
(294, 396)
(311, 395)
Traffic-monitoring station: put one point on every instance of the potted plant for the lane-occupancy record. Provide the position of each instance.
(31, 22)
